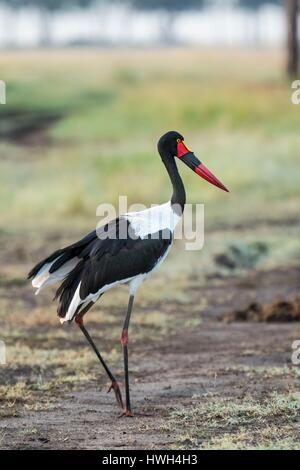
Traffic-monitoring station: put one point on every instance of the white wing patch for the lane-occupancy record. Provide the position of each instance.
(44, 278)
(76, 300)
(153, 220)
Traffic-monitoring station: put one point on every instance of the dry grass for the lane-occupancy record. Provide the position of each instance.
(228, 423)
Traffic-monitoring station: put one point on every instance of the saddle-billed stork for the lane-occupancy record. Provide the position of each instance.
(124, 251)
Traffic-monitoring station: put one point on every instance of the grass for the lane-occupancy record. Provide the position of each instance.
(234, 109)
(44, 360)
(114, 105)
(35, 375)
(266, 372)
(227, 423)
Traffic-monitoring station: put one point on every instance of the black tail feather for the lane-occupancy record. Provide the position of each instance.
(67, 289)
(38, 266)
(64, 255)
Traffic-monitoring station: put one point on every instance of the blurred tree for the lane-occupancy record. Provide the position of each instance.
(170, 5)
(292, 9)
(51, 5)
(46, 9)
(253, 4)
(171, 8)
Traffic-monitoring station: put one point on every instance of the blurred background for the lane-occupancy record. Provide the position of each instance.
(256, 23)
(90, 87)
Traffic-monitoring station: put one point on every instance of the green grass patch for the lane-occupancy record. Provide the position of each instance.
(235, 113)
(231, 423)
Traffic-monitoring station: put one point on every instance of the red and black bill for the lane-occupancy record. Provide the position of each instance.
(190, 159)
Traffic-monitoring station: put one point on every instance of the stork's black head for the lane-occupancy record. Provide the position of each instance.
(172, 145)
(167, 144)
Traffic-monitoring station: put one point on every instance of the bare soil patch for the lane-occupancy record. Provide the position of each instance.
(279, 311)
(178, 378)
(27, 127)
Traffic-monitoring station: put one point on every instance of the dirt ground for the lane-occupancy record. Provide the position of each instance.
(202, 384)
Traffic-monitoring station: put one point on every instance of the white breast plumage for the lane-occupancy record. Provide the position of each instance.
(153, 220)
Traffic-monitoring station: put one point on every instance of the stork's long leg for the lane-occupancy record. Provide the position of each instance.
(114, 384)
(124, 342)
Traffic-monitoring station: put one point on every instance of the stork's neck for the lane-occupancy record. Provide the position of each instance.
(178, 196)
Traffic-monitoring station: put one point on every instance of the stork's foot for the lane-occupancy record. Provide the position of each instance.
(127, 413)
(115, 387)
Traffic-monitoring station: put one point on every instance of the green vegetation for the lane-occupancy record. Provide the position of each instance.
(223, 423)
(235, 111)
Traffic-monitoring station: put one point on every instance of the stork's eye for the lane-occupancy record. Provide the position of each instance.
(178, 141)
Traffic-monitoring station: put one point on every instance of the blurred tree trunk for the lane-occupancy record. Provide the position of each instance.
(9, 26)
(168, 35)
(292, 8)
(45, 34)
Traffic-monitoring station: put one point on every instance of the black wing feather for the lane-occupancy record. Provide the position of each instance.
(132, 257)
(80, 249)
(64, 254)
(112, 253)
